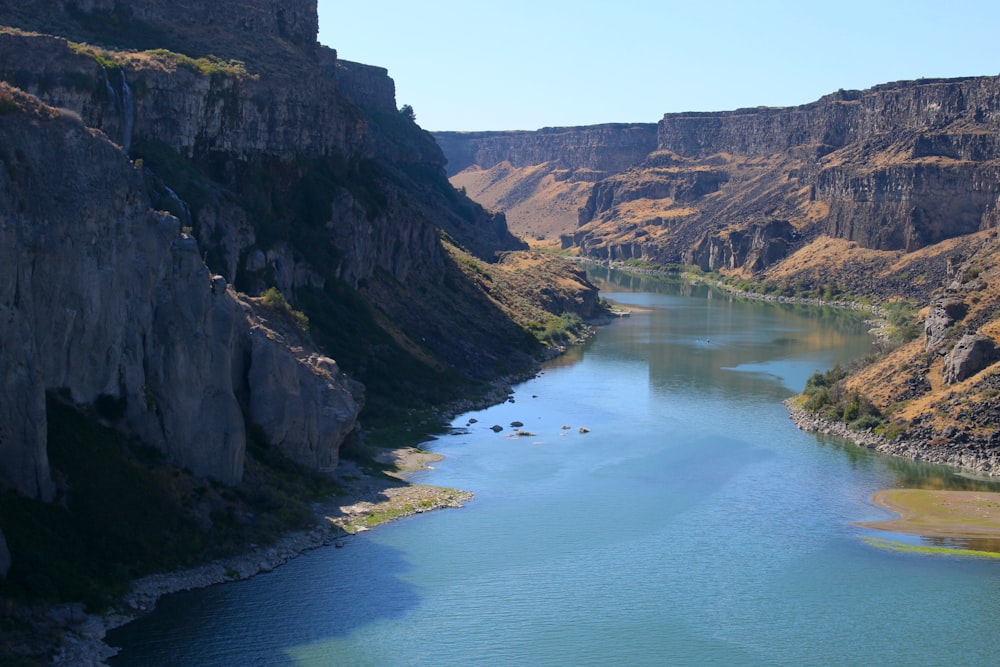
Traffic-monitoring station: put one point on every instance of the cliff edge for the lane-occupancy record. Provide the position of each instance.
(167, 164)
(898, 168)
(108, 303)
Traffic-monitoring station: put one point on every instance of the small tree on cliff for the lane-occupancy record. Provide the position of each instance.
(408, 112)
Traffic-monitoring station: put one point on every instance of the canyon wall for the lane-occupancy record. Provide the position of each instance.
(605, 148)
(541, 179)
(108, 303)
(897, 167)
(149, 195)
(246, 29)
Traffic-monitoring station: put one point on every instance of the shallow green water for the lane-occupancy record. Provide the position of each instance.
(693, 525)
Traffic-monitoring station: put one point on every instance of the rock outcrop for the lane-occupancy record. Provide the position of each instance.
(109, 304)
(971, 354)
(603, 148)
(541, 179)
(945, 312)
(899, 167)
(232, 155)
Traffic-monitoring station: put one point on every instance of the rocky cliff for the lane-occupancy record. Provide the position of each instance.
(151, 194)
(108, 303)
(257, 30)
(541, 179)
(602, 148)
(899, 167)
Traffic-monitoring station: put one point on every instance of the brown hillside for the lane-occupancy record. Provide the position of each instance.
(541, 202)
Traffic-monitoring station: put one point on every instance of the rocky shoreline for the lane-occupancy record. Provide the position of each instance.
(369, 501)
(975, 457)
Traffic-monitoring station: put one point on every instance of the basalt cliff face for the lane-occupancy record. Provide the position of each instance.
(107, 302)
(541, 179)
(897, 168)
(147, 197)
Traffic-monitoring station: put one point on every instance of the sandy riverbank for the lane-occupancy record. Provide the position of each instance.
(934, 513)
(368, 500)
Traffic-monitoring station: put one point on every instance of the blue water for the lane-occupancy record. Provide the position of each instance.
(692, 525)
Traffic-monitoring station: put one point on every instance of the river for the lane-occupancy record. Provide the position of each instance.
(690, 524)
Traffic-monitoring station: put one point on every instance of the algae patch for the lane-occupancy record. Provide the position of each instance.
(881, 543)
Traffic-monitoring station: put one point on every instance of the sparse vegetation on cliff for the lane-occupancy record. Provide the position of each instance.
(273, 298)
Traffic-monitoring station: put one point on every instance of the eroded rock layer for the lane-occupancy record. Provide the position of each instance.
(108, 303)
(168, 163)
(898, 167)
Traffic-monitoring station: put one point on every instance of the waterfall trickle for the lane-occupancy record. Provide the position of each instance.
(185, 210)
(124, 104)
(128, 114)
(112, 95)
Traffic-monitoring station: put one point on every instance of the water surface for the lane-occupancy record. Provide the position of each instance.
(692, 525)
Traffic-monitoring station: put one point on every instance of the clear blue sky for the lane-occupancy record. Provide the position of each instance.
(522, 65)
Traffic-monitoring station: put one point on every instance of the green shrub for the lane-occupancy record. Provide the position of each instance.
(206, 66)
(892, 430)
(866, 422)
(274, 299)
(903, 326)
(817, 399)
(825, 391)
(560, 330)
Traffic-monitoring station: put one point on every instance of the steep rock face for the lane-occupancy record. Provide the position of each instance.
(108, 303)
(755, 248)
(296, 172)
(900, 166)
(231, 29)
(897, 167)
(909, 206)
(268, 133)
(839, 119)
(541, 179)
(192, 107)
(609, 148)
(287, 168)
(302, 403)
(366, 86)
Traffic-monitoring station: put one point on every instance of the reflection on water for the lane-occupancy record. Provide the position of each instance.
(693, 524)
(988, 544)
(911, 474)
